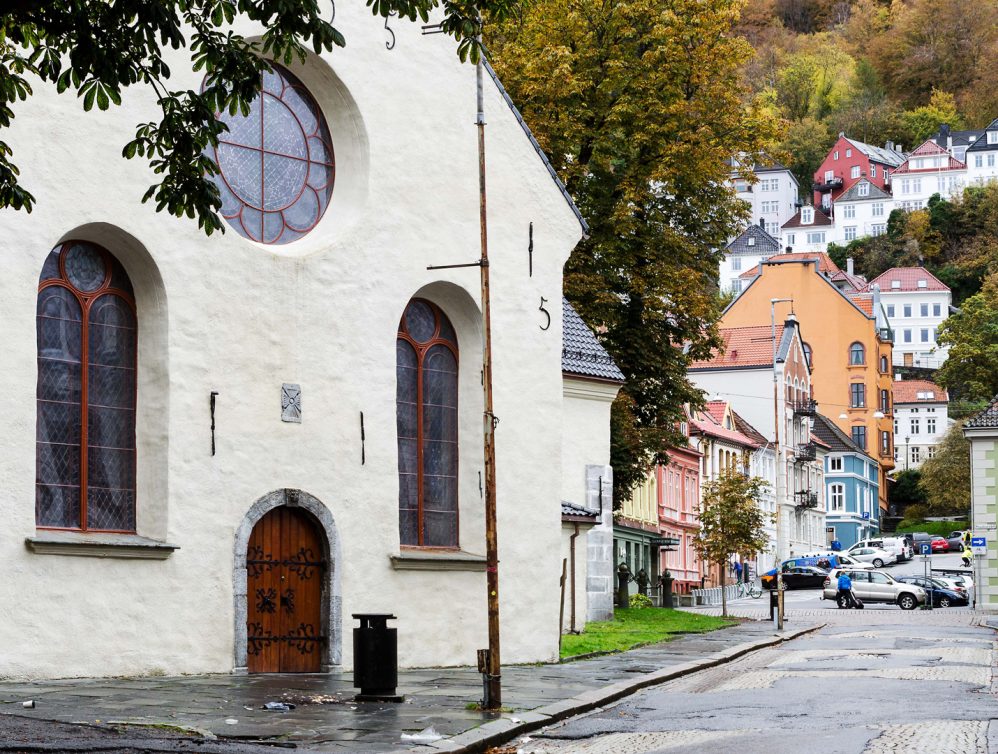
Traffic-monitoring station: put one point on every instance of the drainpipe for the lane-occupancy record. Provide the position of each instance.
(571, 555)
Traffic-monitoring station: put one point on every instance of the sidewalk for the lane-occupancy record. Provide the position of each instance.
(537, 694)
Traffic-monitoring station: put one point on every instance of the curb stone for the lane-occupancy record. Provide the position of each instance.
(498, 732)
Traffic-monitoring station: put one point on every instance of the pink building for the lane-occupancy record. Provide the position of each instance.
(678, 484)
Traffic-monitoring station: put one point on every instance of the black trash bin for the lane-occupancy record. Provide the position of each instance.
(666, 580)
(774, 603)
(375, 658)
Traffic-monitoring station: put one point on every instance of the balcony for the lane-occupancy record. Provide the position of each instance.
(806, 452)
(829, 185)
(805, 408)
(806, 499)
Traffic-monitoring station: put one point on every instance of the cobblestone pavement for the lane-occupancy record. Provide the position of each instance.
(434, 697)
(875, 682)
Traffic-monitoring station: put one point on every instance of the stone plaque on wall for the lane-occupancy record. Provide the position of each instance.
(291, 403)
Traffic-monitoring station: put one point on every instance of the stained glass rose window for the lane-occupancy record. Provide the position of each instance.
(276, 163)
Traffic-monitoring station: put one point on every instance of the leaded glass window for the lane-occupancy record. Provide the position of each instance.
(426, 419)
(276, 163)
(85, 437)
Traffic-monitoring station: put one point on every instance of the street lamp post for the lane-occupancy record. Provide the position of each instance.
(779, 467)
(906, 439)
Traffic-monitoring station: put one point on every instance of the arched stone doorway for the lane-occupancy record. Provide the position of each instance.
(286, 586)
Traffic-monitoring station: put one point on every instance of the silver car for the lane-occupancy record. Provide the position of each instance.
(879, 558)
(875, 586)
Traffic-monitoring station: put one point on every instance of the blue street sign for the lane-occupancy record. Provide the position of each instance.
(978, 542)
(926, 548)
(866, 514)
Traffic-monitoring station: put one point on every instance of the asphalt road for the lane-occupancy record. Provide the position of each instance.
(880, 682)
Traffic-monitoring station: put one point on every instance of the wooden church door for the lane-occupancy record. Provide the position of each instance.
(285, 568)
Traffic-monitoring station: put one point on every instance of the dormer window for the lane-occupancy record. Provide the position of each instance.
(923, 283)
(895, 284)
(864, 189)
(992, 137)
(807, 215)
(751, 241)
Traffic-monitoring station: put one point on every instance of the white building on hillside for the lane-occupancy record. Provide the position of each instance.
(917, 302)
(956, 142)
(217, 449)
(772, 199)
(921, 418)
(810, 229)
(928, 170)
(861, 210)
(982, 157)
(745, 252)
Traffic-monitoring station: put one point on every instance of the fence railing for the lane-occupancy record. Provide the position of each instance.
(712, 595)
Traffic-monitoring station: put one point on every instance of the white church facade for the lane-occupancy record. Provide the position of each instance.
(217, 449)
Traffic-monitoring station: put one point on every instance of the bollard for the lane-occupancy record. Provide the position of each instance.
(375, 658)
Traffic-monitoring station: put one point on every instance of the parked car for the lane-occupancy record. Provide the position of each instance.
(799, 577)
(848, 561)
(962, 579)
(955, 543)
(918, 537)
(896, 545)
(875, 586)
(879, 558)
(939, 544)
(943, 594)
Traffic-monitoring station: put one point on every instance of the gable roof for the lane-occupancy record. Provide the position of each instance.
(852, 194)
(906, 391)
(981, 144)
(763, 243)
(820, 219)
(855, 282)
(834, 438)
(882, 155)
(908, 278)
(704, 424)
(536, 146)
(863, 300)
(930, 148)
(748, 430)
(825, 264)
(716, 410)
(581, 354)
(744, 347)
(959, 138)
(987, 419)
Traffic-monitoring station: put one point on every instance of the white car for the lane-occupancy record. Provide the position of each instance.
(850, 562)
(879, 558)
(895, 545)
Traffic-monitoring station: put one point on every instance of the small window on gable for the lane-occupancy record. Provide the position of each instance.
(848, 153)
(864, 189)
(751, 241)
(895, 284)
(923, 283)
(807, 215)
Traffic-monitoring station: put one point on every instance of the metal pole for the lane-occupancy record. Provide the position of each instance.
(779, 468)
(493, 684)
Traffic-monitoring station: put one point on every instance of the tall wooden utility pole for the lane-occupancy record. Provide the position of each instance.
(493, 678)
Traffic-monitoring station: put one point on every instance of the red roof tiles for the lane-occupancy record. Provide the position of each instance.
(909, 278)
(743, 347)
(906, 391)
(825, 263)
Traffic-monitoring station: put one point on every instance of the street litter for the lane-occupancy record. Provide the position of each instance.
(30, 704)
(425, 736)
(278, 706)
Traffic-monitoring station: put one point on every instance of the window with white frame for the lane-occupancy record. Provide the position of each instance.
(907, 336)
(878, 229)
(816, 238)
(925, 334)
(890, 310)
(790, 239)
(873, 170)
(837, 497)
(991, 160)
(978, 161)
(736, 262)
(930, 424)
(914, 425)
(854, 173)
(835, 156)
(936, 310)
(849, 211)
(930, 452)
(835, 464)
(850, 232)
(829, 175)
(878, 209)
(923, 309)
(864, 189)
(807, 215)
(849, 153)
(915, 454)
(992, 137)
(907, 310)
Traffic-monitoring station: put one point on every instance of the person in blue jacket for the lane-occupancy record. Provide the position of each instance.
(844, 596)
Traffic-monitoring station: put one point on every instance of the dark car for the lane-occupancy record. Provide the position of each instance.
(942, 594)
(799, 577)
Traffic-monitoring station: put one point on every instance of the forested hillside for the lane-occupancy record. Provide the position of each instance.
(876, 70)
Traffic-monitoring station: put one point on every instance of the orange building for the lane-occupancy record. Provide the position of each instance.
(849, 344)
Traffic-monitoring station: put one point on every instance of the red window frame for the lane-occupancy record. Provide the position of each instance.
(86, 299)
(421, 349)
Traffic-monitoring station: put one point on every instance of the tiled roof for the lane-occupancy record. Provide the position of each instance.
(829, 433)
(574, 510)
(960, 138)
(987, 419)
(704, 424)
(818, 441)
(856, 282)
(878, 154)
(743, 347)
(825, 263)
(863, 300)
(748, 430)
(929, 147)
(763, 244)
(981, 144)
(716, 410)
(909, 277)
(906, 391)
(820, 219)
(581, 353)
(852, 194)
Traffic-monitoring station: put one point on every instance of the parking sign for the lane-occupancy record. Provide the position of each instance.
(926, 549)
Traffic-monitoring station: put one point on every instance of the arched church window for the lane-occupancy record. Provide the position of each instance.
(426, 419)
(276, 164)
(85, 437)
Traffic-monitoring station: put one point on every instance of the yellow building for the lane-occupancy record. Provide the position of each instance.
(849, 343)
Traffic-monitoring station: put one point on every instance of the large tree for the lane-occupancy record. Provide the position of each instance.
(639, 105)
(946, 476)
(971, 370)
(98, 48)
(731, 522)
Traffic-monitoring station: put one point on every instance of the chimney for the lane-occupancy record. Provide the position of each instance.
(890, 146)
(944, 135)
(875, 288)
(900, 149)
(849, 267)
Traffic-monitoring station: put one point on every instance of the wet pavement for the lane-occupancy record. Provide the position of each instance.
(327, 719)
